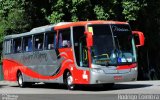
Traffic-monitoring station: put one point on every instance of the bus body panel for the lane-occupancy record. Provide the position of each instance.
(48, 65)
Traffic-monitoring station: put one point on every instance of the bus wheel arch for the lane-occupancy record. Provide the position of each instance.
(18, 71)
(68, 79)
(20, 80)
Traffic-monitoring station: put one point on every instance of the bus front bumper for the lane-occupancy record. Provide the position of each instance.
(101, 77)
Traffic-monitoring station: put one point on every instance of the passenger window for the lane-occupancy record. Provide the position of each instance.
(28, 43)
(50, 41)
(64, 38)
(17, 47)
(38, 41)
(7, 46)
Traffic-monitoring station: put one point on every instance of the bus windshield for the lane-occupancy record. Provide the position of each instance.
(112, 44)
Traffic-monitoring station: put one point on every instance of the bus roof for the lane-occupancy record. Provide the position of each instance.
(61, 25)
(36, 30)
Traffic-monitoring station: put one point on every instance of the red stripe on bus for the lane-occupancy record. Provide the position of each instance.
(126, 66)
(27, 71)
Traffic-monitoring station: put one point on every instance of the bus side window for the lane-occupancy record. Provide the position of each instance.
(38, 41)
(64, 38)
(17, 47)
(50, 41)
(7, 47)
(27, 44)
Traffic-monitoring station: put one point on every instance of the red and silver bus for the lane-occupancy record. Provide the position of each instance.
(85, 52)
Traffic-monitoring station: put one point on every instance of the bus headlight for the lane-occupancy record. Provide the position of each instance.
(97, 70)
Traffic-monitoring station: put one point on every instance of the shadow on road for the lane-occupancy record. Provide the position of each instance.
(115, 87)
(90, 87)
(130, 86)
(1, 86)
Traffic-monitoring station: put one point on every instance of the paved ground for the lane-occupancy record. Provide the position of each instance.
(61, 92)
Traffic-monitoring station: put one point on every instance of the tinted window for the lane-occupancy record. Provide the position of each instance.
(27, 42)
(38, 41)
(50, 41)
(103, 44)
(17, 47)
(7, 46)
(80, 47)
(64, 38)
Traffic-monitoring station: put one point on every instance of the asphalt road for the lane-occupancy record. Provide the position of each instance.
(60, 92)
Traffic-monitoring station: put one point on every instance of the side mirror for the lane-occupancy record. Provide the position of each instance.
(89, 39)
(139, 38)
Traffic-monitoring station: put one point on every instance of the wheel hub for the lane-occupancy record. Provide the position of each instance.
(70, 80)
(20, 80)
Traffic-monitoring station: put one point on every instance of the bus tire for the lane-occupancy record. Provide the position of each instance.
(20, 80)
(69, 81)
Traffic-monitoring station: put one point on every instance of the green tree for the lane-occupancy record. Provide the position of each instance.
(69, 10)
(13, 19)
(78, 10)
(130, 9)
(37, 12)
(148, 21)
(100, 13)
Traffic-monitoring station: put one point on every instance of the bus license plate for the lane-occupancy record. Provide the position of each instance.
(117, 77)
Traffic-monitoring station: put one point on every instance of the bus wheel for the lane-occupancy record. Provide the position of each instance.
(69, 81)
(20, 80)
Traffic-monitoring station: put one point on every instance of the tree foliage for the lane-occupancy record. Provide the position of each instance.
(69, 10)
(13, 18)
(130, 9)
(20, 15)
(77, 10)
